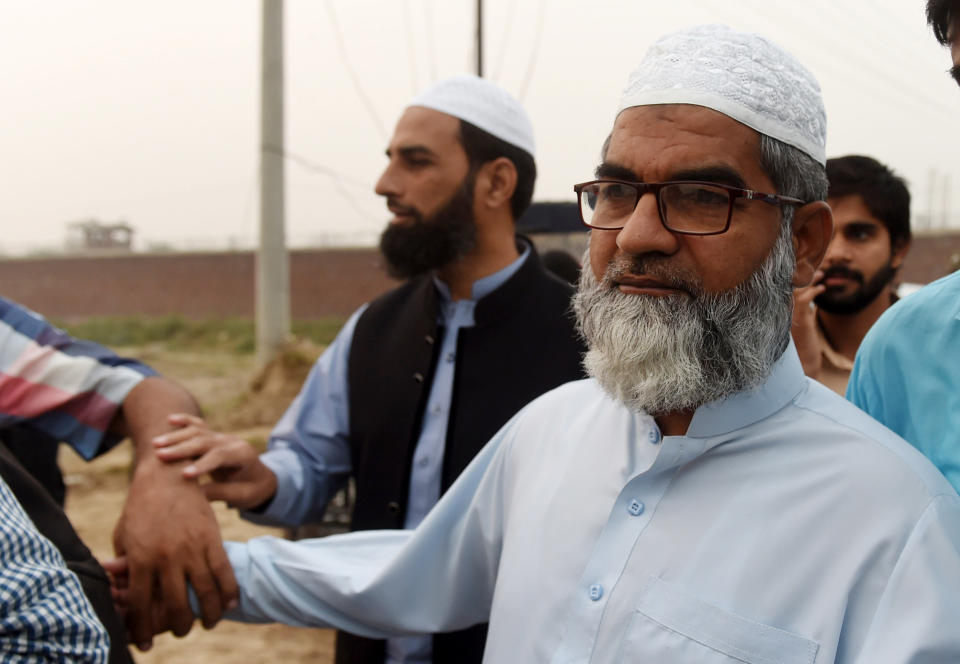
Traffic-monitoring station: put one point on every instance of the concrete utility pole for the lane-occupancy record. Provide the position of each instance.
(273, 271)
(480, 38)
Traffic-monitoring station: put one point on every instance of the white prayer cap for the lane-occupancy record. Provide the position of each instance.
(739, 74)
(483, 104)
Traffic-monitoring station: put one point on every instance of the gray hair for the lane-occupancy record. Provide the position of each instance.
(793, 172)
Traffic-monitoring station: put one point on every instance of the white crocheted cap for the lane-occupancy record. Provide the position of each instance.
(483, 104)
(739, 74)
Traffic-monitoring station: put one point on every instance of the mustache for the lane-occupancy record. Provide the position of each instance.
(843, 272)
(954, 72)
(651, 265)
(397, 208)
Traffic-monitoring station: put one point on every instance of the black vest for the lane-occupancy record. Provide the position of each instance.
(523, 344)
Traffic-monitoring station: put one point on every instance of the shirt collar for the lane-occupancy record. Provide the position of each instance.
(832, 356)
(785, 382)
(486, 285)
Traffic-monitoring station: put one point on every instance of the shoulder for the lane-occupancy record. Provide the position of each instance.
(932, 305)
(907, 346)
(862, 449)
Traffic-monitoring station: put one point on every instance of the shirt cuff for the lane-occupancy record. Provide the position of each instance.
(285, 465)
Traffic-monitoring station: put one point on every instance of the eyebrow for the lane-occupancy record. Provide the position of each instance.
(615, 172)
(409, 151)
(717, 174)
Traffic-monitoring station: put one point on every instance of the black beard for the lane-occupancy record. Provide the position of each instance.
(423, 245)
(845, 305)
(955, 73)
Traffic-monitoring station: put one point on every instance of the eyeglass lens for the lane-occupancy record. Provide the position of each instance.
(698, 208)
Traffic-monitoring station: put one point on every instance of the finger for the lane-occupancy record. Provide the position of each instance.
(234, 494)
(178, 436)
(222, 571)
(173, 590)
(218, 458)
(138, 602)
(208, 594)
(184, 419)
(190, 448)
(116, 566)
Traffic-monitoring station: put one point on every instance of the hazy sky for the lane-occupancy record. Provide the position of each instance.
(148, 111)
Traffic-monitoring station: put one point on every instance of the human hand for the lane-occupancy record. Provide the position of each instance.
(238, 475)
(119, 572)
(169, 536)
(804, 325)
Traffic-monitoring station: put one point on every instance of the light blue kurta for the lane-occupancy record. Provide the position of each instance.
(907, 372)
(785, 527)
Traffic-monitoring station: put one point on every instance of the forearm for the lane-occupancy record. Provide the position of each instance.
(167, 530)
(145, 409)
(304, 486)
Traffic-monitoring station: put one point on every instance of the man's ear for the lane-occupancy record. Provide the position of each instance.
(812, 232)
(496, 182)
(898, 252)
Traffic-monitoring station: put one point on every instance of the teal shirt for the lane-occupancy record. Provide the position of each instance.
(907, 373)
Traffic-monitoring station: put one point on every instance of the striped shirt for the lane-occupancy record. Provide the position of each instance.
(68, 388)
(44, 615)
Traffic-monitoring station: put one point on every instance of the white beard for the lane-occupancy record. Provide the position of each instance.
(676, 353)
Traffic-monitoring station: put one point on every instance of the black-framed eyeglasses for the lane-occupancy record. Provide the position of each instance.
(688, 207)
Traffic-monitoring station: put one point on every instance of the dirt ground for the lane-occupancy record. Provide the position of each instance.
(235, 398)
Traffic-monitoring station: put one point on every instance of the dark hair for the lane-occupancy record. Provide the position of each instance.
(482, 147)
(883, 192)
(940, 15)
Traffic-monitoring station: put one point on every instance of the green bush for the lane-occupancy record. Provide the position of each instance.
(178, 333)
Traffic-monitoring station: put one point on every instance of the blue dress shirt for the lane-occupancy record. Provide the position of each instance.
(907, 372)
(785, 526)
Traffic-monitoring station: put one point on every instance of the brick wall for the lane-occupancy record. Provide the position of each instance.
(196, 285)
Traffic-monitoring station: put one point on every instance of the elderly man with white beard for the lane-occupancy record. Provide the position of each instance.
(698, 499)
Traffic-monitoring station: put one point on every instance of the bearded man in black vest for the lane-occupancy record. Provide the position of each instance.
(418, 380)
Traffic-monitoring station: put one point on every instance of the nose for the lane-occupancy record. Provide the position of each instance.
(644, 231)
(838, 251)
(388, 184)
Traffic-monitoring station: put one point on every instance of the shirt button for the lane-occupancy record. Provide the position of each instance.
(451, 357)
(635, 508)
(596, 592)
(436, 409)
(424, 462)
(654, 436)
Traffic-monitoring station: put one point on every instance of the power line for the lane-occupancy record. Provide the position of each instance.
(431, 55)
(535, 51)
(354, 79)
(411, 56)
(335, 177)
(311, 165)
(511, 17)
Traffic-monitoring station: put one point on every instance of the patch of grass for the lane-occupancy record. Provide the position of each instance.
(235, 335)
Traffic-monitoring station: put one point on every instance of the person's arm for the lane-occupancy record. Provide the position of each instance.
(237, 475)
(167, 530)
(44, 615)
(438, 577)
(804, 327)
(918, 613)
(87, 396)
(308, 459)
